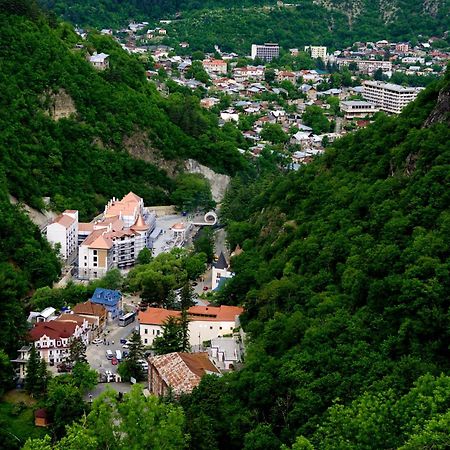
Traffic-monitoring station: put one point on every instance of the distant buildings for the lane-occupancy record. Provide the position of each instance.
(389, 97)
(358, 109)
(317, 52)
(99, 60)
(266, 52)
(368, 66)
(215, 66)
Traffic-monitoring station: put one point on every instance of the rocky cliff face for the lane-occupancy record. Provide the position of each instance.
(60, 105)
(388, 10)
(441, 112)
(218, 182)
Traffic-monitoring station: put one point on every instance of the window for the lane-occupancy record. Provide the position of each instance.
(94, 252)
(146, 330)
(220, 328)
(210, 328)
(157, 332)
(145, 341)
(95, 264)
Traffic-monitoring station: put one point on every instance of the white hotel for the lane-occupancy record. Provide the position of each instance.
(390, 98)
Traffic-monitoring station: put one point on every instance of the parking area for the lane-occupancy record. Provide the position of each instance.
(96, 353)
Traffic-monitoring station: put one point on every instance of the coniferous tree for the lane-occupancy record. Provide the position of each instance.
(77, 351)
(32, 375)
(171, 339)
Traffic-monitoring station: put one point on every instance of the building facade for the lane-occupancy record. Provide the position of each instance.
(317, 51)
(63, 231)
(266, 52)
(215, 66)
(353, 109)
(390, 98)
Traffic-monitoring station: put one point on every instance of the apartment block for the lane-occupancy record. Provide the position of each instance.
(63, 231)
(317, 51)
(266, 52)
(389, 97)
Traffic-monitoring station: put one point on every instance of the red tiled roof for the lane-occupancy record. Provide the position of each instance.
(183, 371)
(75, 318)
(53, 329)
(223, 313)
(156, 316)
(90, 309)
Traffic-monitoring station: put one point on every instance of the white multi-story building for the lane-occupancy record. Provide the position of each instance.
(116, 239)
(205, 322)
(353, 109)
(266, 52)
(64, 231)
(220, 270)
(317, 51)
(389, 97)
(52, 339)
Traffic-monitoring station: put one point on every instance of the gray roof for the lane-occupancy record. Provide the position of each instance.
(221, 262)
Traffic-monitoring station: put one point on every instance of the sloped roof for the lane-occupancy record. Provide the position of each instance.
(140, 224)
(66, 317)
(89, 309)
(64, 220)
(156, 316)
(106, 297)
(53, 329)
(222, 313)
(221, 263)
(183, 371)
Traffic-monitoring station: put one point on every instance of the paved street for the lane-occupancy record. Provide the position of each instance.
(101, 387)
(96, 354)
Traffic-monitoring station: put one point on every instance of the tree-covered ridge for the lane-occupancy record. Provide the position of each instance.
(345, 280)
(237, 24)
(81, 161)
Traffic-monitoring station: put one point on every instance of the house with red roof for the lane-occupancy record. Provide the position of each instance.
(52, 339)
(205, 322)
(179, 373)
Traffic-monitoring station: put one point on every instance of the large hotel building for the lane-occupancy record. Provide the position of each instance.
(390, 98)
(265, 52)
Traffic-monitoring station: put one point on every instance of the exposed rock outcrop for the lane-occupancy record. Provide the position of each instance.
(218, 182)
(441, 112)
(60, 105)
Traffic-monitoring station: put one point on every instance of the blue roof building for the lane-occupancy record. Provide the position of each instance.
(110, 299)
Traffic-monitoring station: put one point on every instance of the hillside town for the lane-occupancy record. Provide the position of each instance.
(293, 113)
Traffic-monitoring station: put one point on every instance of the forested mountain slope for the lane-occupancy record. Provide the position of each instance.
(235, 25)
(345, 277)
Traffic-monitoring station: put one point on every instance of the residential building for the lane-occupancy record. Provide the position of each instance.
(99, 60)
(225, 352)
(358, 109)
(52, 339)
(46, 315)
(220, 270)
(111, 300)
(20, 363)
(248, 73)
(317, 51)
(368, 66)
(215, 65)
(92, 311)
(115, 240)
(284, 75)
(178, 373)
(63, 231)
(205, 322)
(389, 97)
(266, 52)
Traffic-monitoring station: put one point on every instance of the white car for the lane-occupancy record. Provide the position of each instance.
(97, 341)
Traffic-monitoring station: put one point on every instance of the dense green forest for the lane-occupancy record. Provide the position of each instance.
(80, 161)
(235, 25)
(345, 277)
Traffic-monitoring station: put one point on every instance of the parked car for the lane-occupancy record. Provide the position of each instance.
(125, 345)
(205, 288)
(125, 354)
(64, 367)
(109, 354)
(123, 341)
(97, 341)
(114, 361)
(194, 283)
